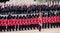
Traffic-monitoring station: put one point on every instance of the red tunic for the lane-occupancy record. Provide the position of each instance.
(20, 21)
(9, 22)
(3, 22)
(39, 20)
(33, 20)
(58, 18)
(23, 22)
(28, 21)
(53, 19)
(15, 21)
(49, 19)
(44, 19)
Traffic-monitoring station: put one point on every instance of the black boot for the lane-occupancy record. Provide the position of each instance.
(16, 27)
(0, 28)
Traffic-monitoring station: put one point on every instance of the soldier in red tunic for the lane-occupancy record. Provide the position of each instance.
(20, 23)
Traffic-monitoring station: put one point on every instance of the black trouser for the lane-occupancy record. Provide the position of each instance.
(20, 27)
(39, 28)
(48, 25)
(28, 26)
(33, 26)
(43, 25)
(36, 25)
(10, 27)
(16, 27)
(2, 28)
(24, 26)
(59, 24)
(54, 24)
(51, 24)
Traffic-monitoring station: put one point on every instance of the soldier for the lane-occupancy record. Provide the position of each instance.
(3, 24)
(20, 22)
